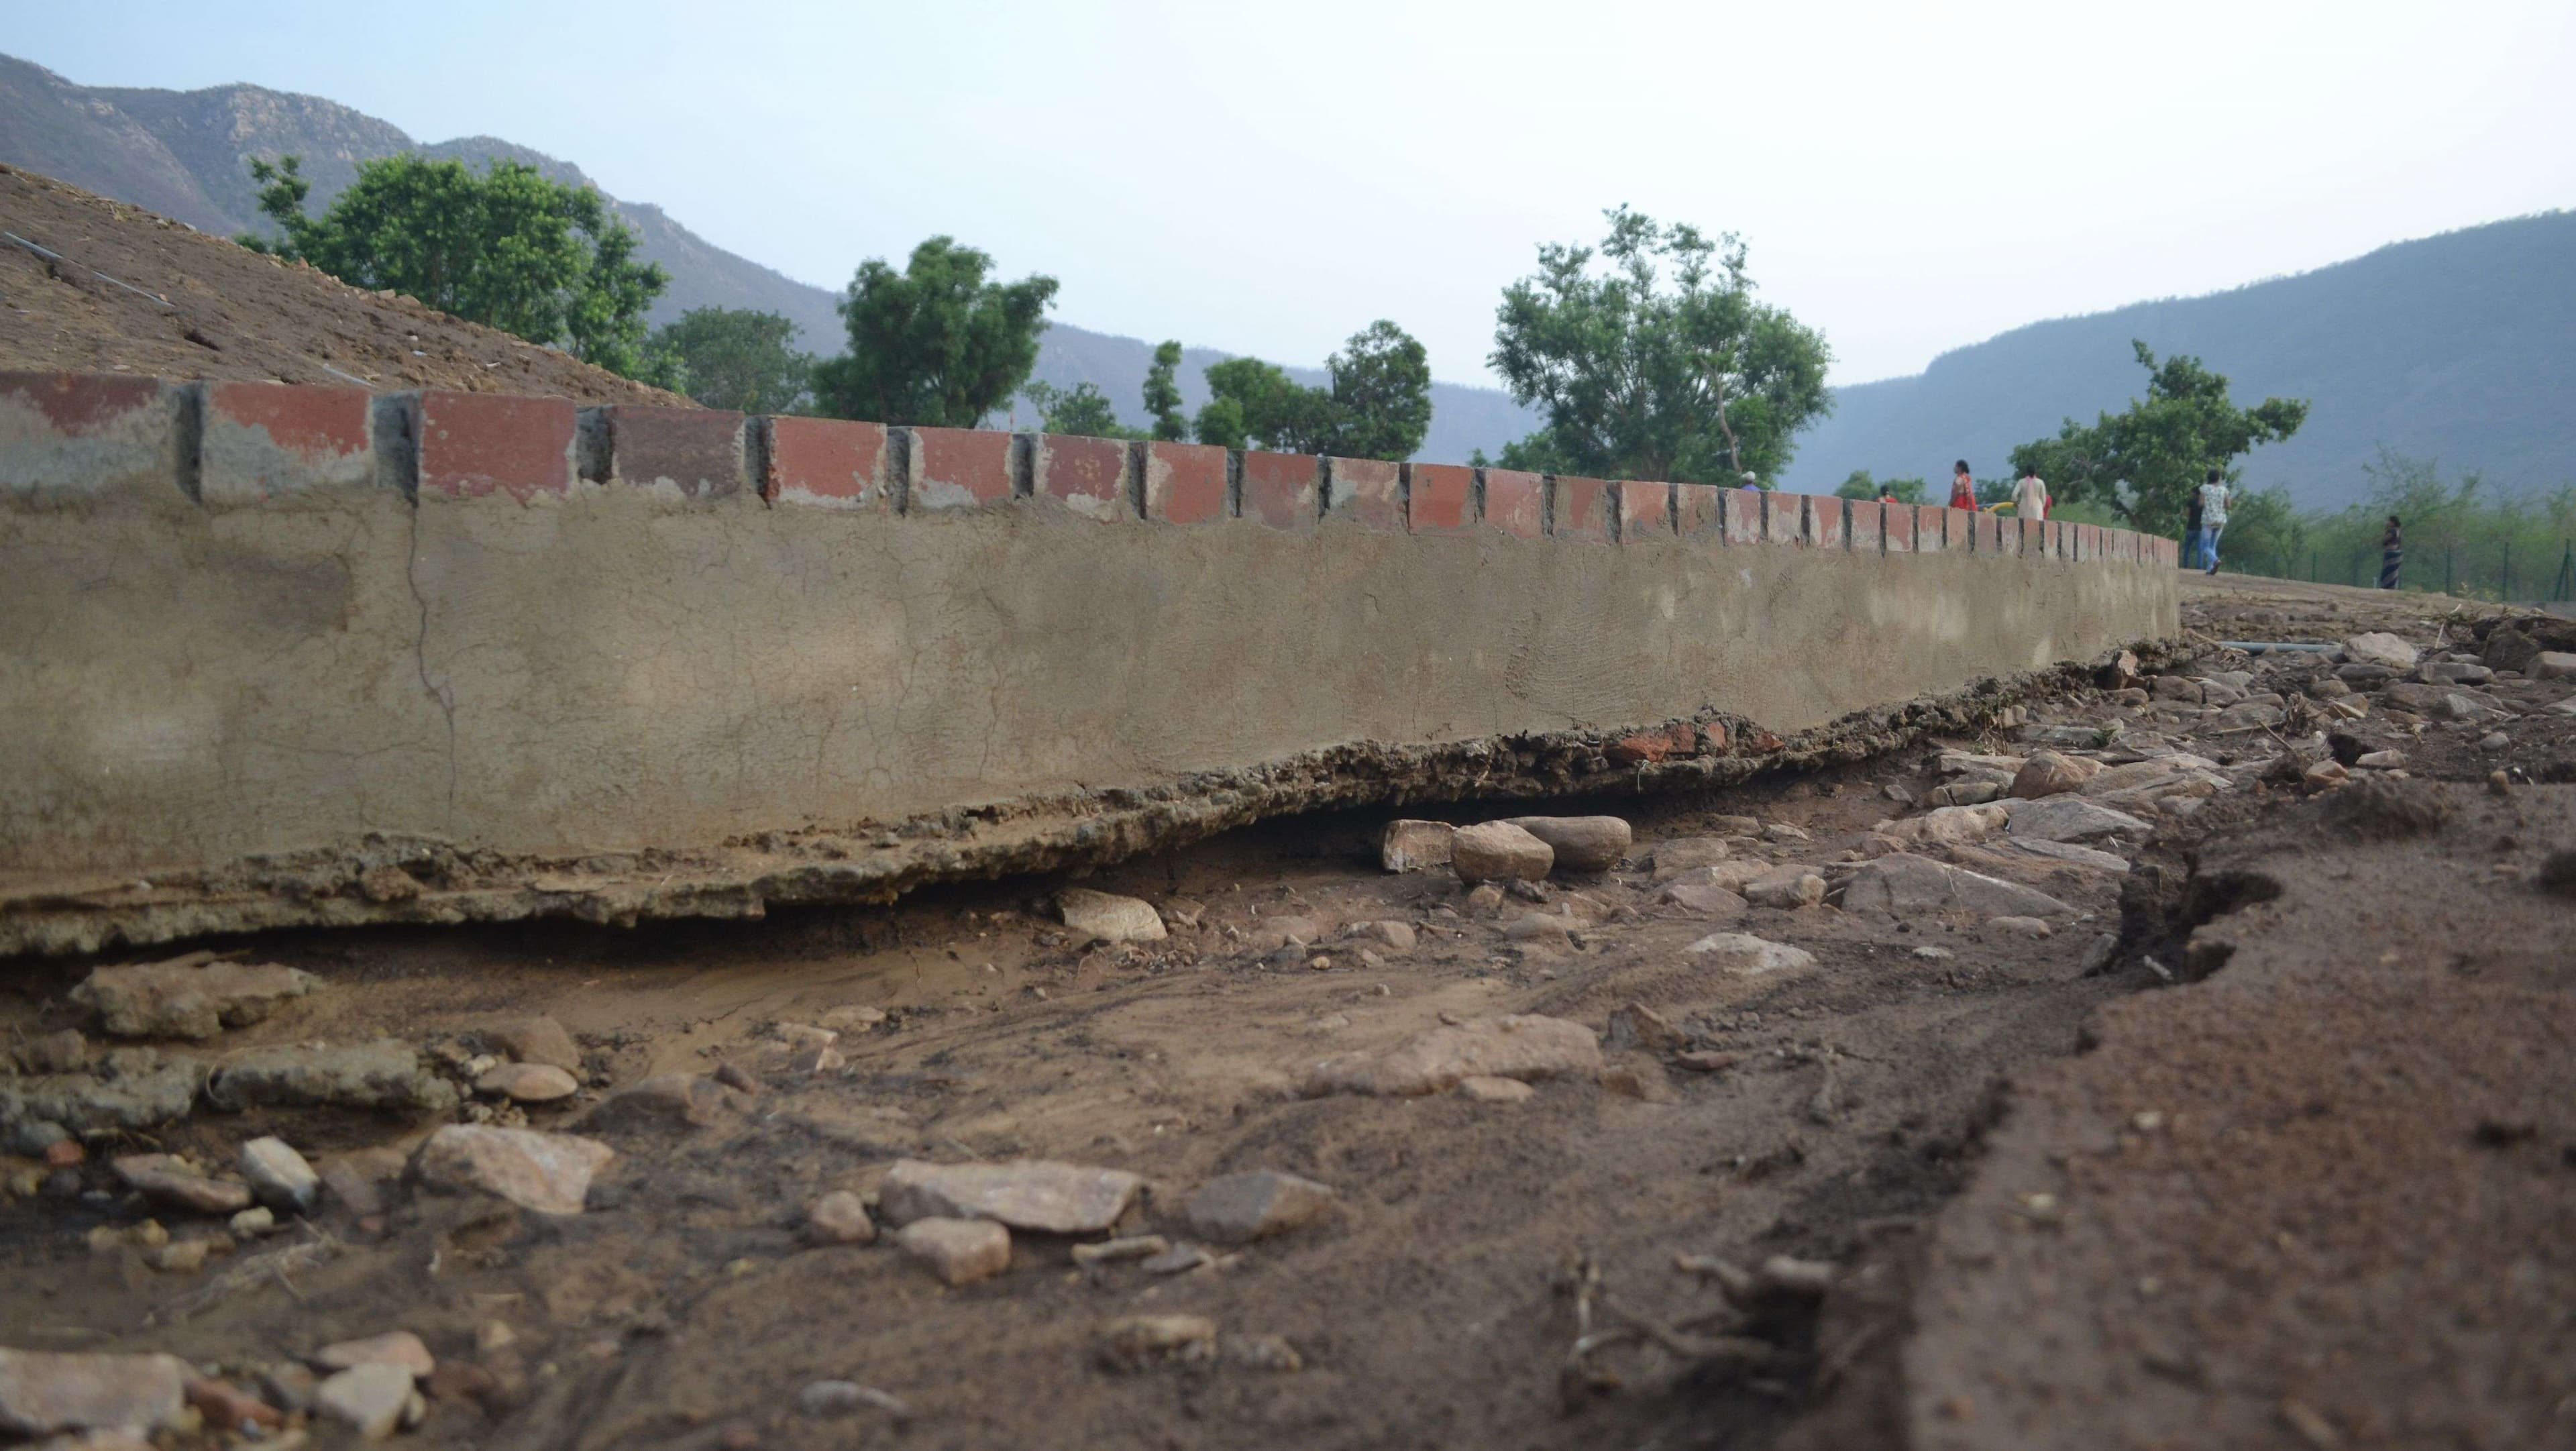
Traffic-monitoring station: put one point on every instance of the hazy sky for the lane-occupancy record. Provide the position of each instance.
(1269, 179)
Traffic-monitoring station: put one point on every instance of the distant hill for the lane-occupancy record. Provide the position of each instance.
(186, 155)
(2460, 347)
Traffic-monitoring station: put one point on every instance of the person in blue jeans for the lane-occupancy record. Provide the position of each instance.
(2213, 519)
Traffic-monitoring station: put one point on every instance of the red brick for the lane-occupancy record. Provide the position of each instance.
(1579, 509)
(1442, 499)
(1784, 518)
(1515, 503)
(695, 452)
(1990, 532)
(477, 444)
(265, 439)
(1931, 531)
(1896, 528)
(1645, 511)
(1743, 511)
(1282, 490)
(1086, 475)
(1365, 491)
(1865, 520)
(1185, 483)
(85, 434)
(959, 468)
(1826, 527)
(828, 463)
(1699, 511)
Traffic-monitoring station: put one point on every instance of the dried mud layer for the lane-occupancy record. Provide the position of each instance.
(127, 291)
(2240, 1119)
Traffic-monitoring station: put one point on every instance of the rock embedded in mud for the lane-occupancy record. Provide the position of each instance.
(356, 1179)
(528, 1083)
(1135, 1342)
(1581, 843)
(2047, 773)
(840, 1217)
(2547, 665)
(958, 1251)
(1746, 955)
(2378, 647)
(666, 1100)
(372, 1399)
(1640, 1078)
(1106, 917)
(1684, 855)
(1639, 1026)
(2073, 819)
(1241, 1208)
(385, 1074)
(188, 997)
(227, 1407)
(1411, 846)
(278, 1175)
(1904, 885)
(1484, 1089)
(1541, 927)
(1523, 1046)
(2020, 926)
(43, 1393)
(1025, 1194)
(169, 1179)
(548, 1173)
(1497, 851)
(132, 1089)
(1788, 887)
(1393, 935)
(65, 1051)
(538, 1040)
(1703, 899)
(394, 1347)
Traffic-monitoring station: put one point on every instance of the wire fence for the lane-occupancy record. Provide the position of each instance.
(2505, 571)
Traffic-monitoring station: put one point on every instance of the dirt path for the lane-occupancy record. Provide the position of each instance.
(1837, 1114)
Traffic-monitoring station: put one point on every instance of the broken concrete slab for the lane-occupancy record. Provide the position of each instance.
(195, 996)
(1411, 846)
(385, 1074)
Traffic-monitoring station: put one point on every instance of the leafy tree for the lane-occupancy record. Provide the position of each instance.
(1163, 394)
(1662, 366)
(1861, 486)
(504, 247)
(2146, 462)
(936, 343)
(1378, 404)
(734, 358)
(1082, 409)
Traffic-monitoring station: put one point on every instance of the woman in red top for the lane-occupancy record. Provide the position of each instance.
(1963, 487)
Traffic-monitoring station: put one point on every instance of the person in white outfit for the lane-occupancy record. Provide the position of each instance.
(2030, 496)
(2213, 519)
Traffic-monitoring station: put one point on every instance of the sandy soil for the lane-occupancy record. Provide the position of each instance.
(2388, 1265)
(218, 310)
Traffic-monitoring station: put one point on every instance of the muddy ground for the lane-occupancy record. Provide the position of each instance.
(1944, 1110)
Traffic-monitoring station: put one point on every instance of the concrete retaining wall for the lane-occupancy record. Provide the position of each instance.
(254, 623)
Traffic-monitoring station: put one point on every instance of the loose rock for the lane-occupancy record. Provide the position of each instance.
(188, 997)
(1639, 1026)
(1499, 851)
(227, 1407)
(1904, 885)
(1398, 936)
(1103, 917)
(1240, 1208)
(1544, 927)
(2551, 665)
(1137, 1341)
(1410, 846)
(958, 1251)
(1484, 1089)
(42, 1393)
(1024, 1194)
(1581, 843)
(528, 1083)
(394, 1347)
(1511, 1046)
(372, 1398)
(2047, 773)
(2068, 818)
(840, 1217)
(1688, 854)
(384, 1074)
(279, 1176)
(548, 1173)
(1704, 899)
(2020, 926)
(2377, 647)
(357, 1179)
(667, 1100)
(539, 1040)
(170, 1180)
(1746, 955)
(1790, 887)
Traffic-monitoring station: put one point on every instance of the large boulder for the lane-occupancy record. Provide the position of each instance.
(1522, 1046)
(2048, 773)
(1497, 851)
(1581, 843)
(1904, 885)
(195, 996)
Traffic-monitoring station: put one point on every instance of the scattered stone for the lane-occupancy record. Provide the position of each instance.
(1789, 887)
(816, 1059)
(2564, 707)
(853, 1018)
(1969, 793)
(2548, 665)
(2176, 687)
(736, 1077)
(1485, 1089)
(1240, 1208)
(253, 1222)
(188, 997)
(1179, 1259)
(1398, 936)
(372, 1398)
(2073, 819)
(171, 1180)
(1485, 898)
(1297, 931)
(2457, 672)
(289, 1385)
(1411, 846)
(2381, 760)
(1523, 1046)
(2325, 774)
(666, 1100)
(1581, 843)
(548, 1173)
(2047, 773)
(958, 1251)
(385, 1074)
(2494, 741)
(1705, 1060)
(1736, 825)
(227, 1407)
(1499, 851)
(2098, 956)
(278, 1175)
(1104, 917)
(356, 1179)
(1904, 885)
(1545, 927)
(1929, 953)
(2072, 737)
(2065, 852)
(2377, 647)
(528, 1083)
(1705, 899)
(1781, 831)
(1134, 1342)
(180, 1257)
(1131, 1247)
(1746, 955)
(1946, 826)
(1672, 859)
(2020, 926)
(42, 1393)
(828, 1399)
(1639, 1078)
(1024, 1194)
(538, 1040)
(840, 1217)
(1639, 1026)
(1263, 1352)
(394, 1347)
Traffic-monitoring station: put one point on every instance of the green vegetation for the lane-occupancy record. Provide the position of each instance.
(1660, 367)
(1861, 486)
(505, 247)
(2144, 464)
(1163, 394)
(935, 344)
(2462, 538)
(1377, 405)
(1081, 409)
(733, 358)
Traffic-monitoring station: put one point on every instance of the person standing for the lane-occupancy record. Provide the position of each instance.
(2392, 554)
(1963, 487)
(2191, 534)
(2030, 496)
(2213, 519)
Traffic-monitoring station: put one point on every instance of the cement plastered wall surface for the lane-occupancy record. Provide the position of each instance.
(613, 667)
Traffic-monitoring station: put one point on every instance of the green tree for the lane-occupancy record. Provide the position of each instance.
(1861, 486)
(1082, 409)
(1378, 404)
(1163, 394)
(1662, 365)
(2145, 463)
(935, 344)
(504, 247)
(735, 358)
(1253, 404)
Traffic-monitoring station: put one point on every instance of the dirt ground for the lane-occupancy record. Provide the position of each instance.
(218, 310)
(2347, 1220)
